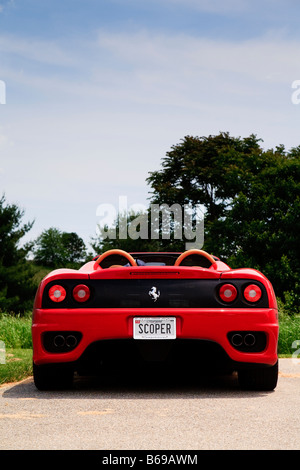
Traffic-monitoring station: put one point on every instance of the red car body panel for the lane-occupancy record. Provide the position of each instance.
(212, 322)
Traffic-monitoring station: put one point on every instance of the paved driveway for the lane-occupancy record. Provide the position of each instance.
(213, 415)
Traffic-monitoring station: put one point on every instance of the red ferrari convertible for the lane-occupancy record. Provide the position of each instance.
(178, 311)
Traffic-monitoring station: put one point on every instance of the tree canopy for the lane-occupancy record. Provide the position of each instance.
(54, 248)
(127, 233)
(251, 198)
(17, 287)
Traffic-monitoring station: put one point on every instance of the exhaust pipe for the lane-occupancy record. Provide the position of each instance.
(237, 340)
(59, 341)
(71, 341)
(249, 339)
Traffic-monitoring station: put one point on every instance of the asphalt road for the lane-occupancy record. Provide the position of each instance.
(215, 414)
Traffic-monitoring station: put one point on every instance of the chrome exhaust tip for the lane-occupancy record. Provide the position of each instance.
(59, 341)
(249, 339)
(237, 340)
(71, 341)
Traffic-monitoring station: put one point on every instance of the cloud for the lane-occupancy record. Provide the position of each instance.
(180, 66)
(82, 131)
(122, 72)
(37, 50)
(150, 68)
(138, 94)
(7, 3)
(258, 8)
(213, 6)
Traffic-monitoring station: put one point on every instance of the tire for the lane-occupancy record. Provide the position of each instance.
(264, 379)
(52, 376)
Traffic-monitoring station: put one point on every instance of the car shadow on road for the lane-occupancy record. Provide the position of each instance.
(139, 386)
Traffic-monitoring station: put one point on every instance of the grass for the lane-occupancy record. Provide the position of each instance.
(18, 365)
(289, 333)
(15, 333)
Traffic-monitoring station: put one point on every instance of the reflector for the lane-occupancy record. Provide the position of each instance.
(81, 293)
(228, 293)
(57, 293)
(252, 293)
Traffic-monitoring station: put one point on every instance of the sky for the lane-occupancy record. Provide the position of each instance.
(93, 93)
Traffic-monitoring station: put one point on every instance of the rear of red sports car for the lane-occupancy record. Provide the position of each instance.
(175, 311)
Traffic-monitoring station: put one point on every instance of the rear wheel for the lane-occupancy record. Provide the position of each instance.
(259, 379)
(52, 376)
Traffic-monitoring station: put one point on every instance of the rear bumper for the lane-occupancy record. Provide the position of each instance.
(211, 325)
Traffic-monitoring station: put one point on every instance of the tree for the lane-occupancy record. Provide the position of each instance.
(251, 197)
(55, 249)
(204, 171)
(74, 247)
(266, 219)
(17, 287)
(129, 232)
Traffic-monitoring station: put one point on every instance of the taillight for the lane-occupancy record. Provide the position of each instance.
(227, 293)
(252, 293)
(57, 293)
(81, 293)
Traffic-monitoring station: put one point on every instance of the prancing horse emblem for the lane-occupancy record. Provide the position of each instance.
(154, 293)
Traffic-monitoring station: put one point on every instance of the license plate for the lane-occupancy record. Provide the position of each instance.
(154, 328)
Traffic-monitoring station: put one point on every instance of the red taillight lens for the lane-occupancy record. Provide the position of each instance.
(81, 293)
(57, 293)
(252, 293)
(228, 293)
